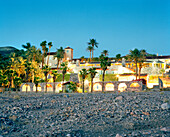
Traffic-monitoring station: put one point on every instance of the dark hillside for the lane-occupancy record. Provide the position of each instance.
(7, 50)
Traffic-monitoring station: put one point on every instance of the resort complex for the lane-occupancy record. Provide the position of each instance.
(33, 70)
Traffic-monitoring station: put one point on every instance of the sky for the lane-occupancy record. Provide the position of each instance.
(117, 25)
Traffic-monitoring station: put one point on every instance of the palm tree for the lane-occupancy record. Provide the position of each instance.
(104, 63)
(135, 56)
(43, 45)
(83, 75)
(92, 72)
(55, 74)
(82, 58)
(64, 69)
(59, 55)
(118, 57)
(49, 45)
(142, 59)
(162, 71)
(90, 49)
(36, 81)
(105, 52)
(93, 43)
(46, 71)
(27, 46)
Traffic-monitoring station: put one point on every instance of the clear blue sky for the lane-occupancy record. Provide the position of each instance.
(117, 25)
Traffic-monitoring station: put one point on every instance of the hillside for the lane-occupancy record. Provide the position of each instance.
(7, 50)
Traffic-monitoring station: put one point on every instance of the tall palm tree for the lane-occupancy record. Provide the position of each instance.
(90, 49)
(59, 55)
(135, 56)
(55, 74)
(64, 68)
(36, 81)
(27, 46)
(142, 59)
(43, 45)
(83, 75)
(93, 43)
(49, 45)
(105, 52)
(46, 70)
(92, 72)
(104, 63)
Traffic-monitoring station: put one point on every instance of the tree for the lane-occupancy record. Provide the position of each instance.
(17, 82)
(27, 46)
(162, 71)
(46, 70)
(82, 58)
(142, 59)
(59, 55)
(90, 49)
(72, 86)
(104, 63)
(49, 45)
(3, 79)
(83, 75)
(36, 81)
(92, 72)
(93, 43)
(44, 49)
(135, 56)
(118, 57)
(105, 52)
(64, 69)
(55, 74)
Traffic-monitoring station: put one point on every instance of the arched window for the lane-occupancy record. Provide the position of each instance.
(122, 87)
(97, 87)
(109, 87)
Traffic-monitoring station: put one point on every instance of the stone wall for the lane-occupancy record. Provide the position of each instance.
(119, 86)
(116, 86)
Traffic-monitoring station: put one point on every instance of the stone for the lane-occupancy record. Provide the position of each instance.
(117, 135)
(165, 129)
(165, 106)
(119, 98)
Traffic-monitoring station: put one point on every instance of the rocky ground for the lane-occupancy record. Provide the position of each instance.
(85, 115)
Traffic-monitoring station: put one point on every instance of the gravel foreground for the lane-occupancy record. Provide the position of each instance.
(85, 115)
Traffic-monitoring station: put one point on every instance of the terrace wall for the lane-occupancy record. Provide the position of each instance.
(116, 86)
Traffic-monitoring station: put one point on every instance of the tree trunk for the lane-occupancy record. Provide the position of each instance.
(36, 88)
(63, 85)
(91, 85)
(83, 86)
(48, 57)
(140, 71)
(136, 69)
(57, 63)
(46, 84)
(26, 89)
(103, 81)
(54, 85)
(90, 56)
(42, 61)
(32, 76)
